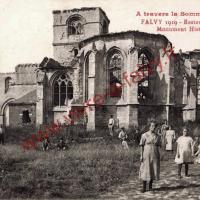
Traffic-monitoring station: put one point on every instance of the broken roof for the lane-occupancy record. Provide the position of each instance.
(122, 34)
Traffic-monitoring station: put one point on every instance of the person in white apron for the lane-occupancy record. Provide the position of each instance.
(184, 154)
(169, 138)
(150, 157)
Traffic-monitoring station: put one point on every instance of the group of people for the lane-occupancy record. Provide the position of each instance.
(61, 144)
(168, 136)
(123, 136)
(188, 151)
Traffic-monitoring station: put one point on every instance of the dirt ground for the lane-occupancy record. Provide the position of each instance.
(168, 187)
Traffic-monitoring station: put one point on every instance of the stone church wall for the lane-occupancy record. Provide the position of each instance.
(15, 114)
(22, 82)
(170, 90)
(26, 74)
(63, 42)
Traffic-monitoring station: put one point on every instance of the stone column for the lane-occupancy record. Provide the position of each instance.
(91, 118)
(91, 91)
(132, 87)
(166, 71)
(193, 93)
(40, 99)
(128, 114)
(76, 83)
(190, 110)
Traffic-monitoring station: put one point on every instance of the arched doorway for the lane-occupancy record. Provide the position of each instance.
(5, 112)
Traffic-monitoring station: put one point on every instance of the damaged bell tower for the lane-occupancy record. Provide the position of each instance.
(72, 26)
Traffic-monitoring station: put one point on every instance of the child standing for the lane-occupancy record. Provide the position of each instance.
(184, 152)
(123, 136)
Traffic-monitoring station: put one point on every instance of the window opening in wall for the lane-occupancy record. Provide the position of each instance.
(62, 90)
(25, 117)
(115, 63)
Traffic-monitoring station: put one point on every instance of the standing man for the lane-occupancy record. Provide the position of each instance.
(111, 123)
(1, 134)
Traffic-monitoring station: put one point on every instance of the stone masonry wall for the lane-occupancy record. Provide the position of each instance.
(64, 43)
(15, 114)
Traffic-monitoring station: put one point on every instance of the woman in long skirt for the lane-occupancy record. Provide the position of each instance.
(150, 157)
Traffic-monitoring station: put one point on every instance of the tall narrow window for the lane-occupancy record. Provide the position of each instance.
(86, 77)
(62, 90)
(144, 68)
(69, 90)
(8, 82)
(63, 93)
(115, 63)
(72, 28)
(56, 94)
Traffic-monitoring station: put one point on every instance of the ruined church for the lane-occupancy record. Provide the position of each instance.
(134, 76)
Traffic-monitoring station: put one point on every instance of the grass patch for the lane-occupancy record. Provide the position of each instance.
(84, 171)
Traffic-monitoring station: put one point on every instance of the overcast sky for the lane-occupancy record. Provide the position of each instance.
(26, 25)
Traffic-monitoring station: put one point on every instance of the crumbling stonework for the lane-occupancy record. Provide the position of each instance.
(134, 76)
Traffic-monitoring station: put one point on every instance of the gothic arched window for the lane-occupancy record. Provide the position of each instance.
(75, 26)
(62, 90)
(8, 82)
(144, 68)
(115, 63)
